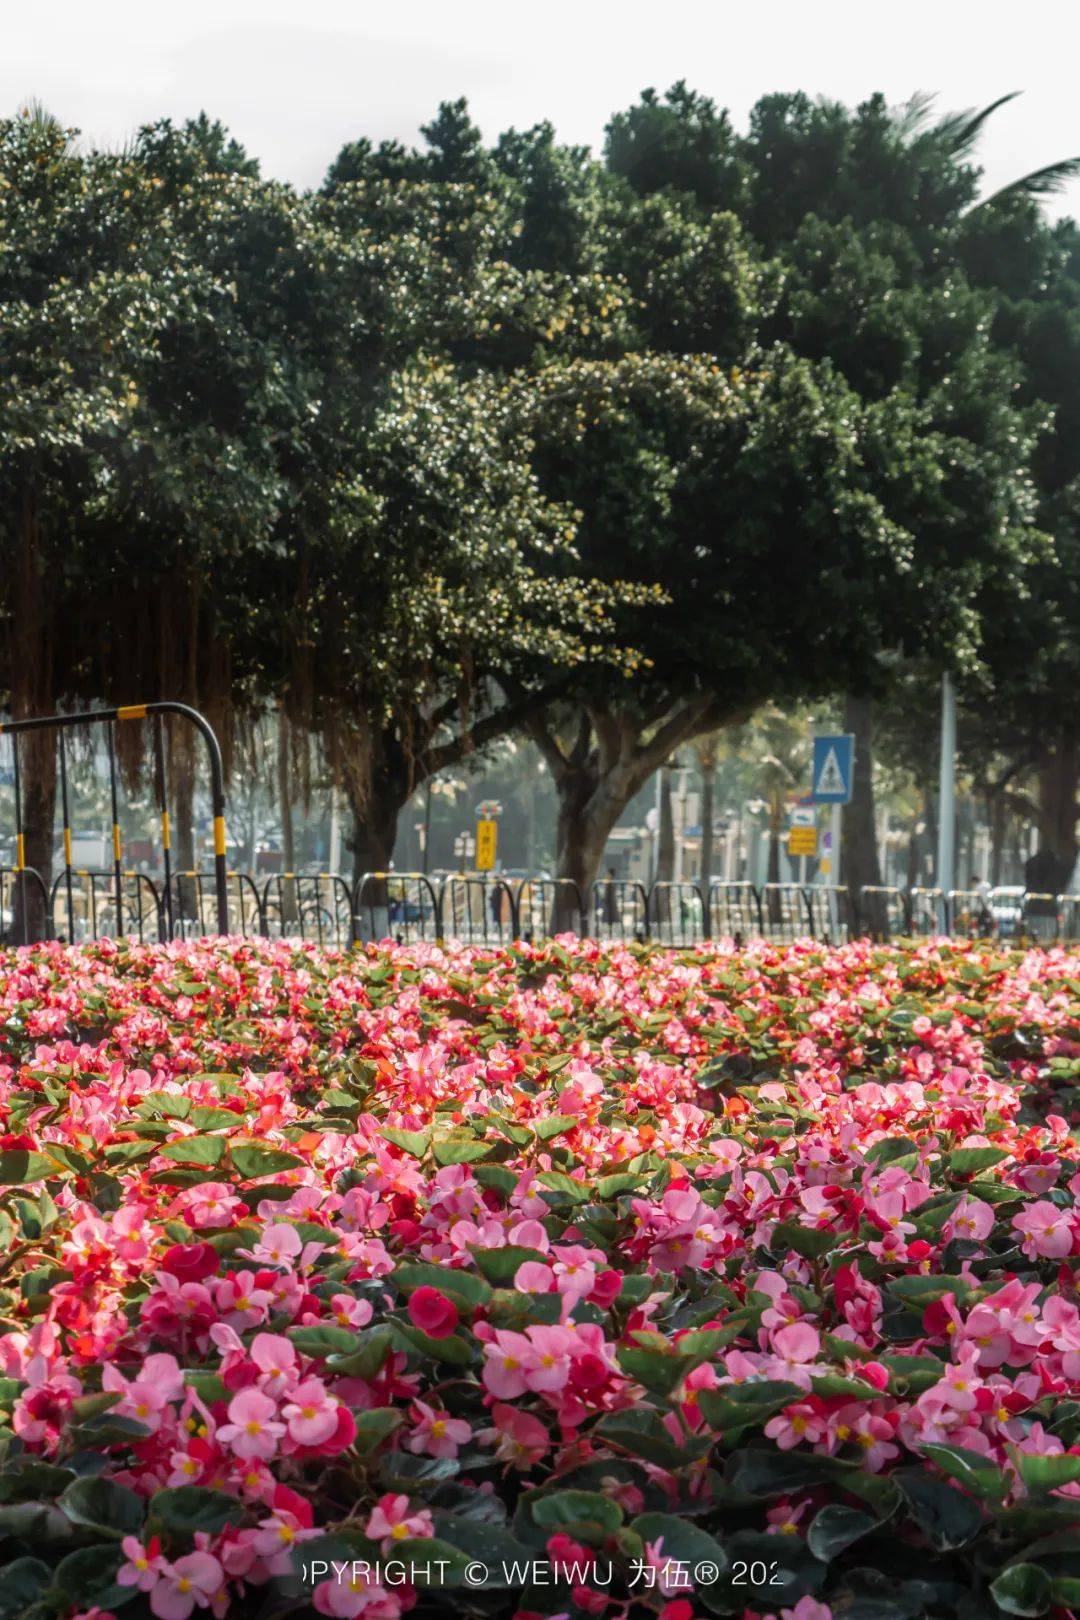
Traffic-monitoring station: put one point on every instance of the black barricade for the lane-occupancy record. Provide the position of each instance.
(883, 912)
(83, 906)
(548, 906)
(403, 906)
(783, 911)
(618, 909)
(315, 906)
(478, 909)
(676, 913)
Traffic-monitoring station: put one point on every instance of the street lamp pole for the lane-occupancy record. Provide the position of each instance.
(946, 850)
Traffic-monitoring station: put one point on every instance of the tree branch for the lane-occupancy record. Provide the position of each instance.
(519, 712)
(553, 756)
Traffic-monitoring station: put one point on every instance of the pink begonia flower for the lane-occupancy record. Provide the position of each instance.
(191, 1581)
(311, 1413)
(796, 1425)
(391, 1520)
(144, 1564)
(212, 1203)
(274, 1538)
(505, 1360)
(971, 1220)
(1047, 1231)
(278, 1245)
(241, 1301)
(348, 1311)
(807, 1608)
(436, 1434)
(794, 1349)
(520, 1438)
(145, 1397)
(669, 1574)
(959, 1385)
(534, 1277)
(252, 1429)
(354, 1594)
(277, 1362)
(282, 1245)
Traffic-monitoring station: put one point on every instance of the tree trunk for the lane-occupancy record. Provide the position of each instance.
(772, 871)
(861, 868)
(707, 764)
(289, 910)
(31, 675)
(374, 832)
(665, 831)
(996, 810)
(582, 830)
(596, 779)
(31, 919)
(182, 816)
(1059, 779)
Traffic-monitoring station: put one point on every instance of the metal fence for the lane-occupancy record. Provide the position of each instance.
(486, 909)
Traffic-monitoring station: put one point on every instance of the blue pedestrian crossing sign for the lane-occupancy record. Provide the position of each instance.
(833, 769)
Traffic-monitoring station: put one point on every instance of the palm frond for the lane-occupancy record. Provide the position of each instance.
(913, 115)
(959, 131)
(1040, 183)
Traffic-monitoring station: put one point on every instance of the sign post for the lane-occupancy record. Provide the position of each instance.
(946, 850)
(831, 783)
(487, 833)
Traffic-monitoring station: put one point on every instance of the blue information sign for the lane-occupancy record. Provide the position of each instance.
(834, 768)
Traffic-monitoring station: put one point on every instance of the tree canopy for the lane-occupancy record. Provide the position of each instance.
(491, 436)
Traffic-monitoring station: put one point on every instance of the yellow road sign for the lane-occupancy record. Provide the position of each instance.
(486, 839)
(802, 841)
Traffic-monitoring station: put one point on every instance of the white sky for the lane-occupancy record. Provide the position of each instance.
(295, 80)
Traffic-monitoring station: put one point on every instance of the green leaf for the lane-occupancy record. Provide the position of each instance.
(88, 1575)
(460, 1150)
(734, 1408)
(969, 1161)
(367, 1358)
(374, 1426)
(684, 1542)
(947, 1517)
(22, 1582)
(431, 1562)
(183, 1509)
(454, 1350)
(1023, 1589)
(890, 1149)
(324, 1339)
(488, 1544)
(199, 1150)
(775, 1473)
(804, 1240)
(17, 1166)
(500, 1266)
(414, 1143)
(920, 1291)
(640, 1432)
(555, 1125)
(659, 1371)
(584, 1513)
(101, 1505)
(565, 1187)
(972, 1470)
(252, 1159)
(464, 1286)
(1041, 1473)
(837, 1527)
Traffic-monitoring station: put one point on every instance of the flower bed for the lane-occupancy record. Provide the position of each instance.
(559, 1280)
